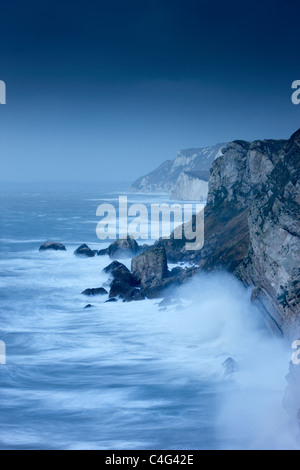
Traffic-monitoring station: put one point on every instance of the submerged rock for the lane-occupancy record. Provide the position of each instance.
(56, 246)
(84, 250)
(97, 291)
(123, 248)
(230, 366)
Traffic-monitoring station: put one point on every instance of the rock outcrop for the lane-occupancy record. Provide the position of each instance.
(96, 291)
(123, 248)
(172, 175)
(191, 186)
(252, 225)
(123, 284)
(55, 246)
(84, 250)
(151, 267)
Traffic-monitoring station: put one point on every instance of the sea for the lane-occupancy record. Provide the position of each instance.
(139, 375)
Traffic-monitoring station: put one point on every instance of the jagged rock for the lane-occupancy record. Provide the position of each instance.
(230, 366)
(123, 248)
(252, 225)
(96, 291)
(84, 250)
(52, 246)
(115, 264)
(150, 268)
(120, 273)
(123, 284)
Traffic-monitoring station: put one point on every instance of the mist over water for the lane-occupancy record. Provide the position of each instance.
(125, 375)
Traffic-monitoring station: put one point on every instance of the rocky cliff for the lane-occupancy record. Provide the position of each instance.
(252, 225)
(173, 175)
(191, 186)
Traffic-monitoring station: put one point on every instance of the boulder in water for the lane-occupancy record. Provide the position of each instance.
(56, 246)
(84, 250)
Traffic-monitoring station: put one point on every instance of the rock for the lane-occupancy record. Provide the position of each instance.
(52, 246)
(88, 306)
(111, 300)
(122, 289)
(123, 284)
(169, 176)
(291, 401)
(252, 226)
(102, 252)
(176, 271)
(84, 250)
(191, 186)
(123, 248)
(97, 291)
(150, 268)
(230, 366)
(115, 264)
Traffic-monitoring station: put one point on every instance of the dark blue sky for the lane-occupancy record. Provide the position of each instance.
(108, 90)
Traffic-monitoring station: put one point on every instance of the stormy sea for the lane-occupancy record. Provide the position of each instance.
(124, 375)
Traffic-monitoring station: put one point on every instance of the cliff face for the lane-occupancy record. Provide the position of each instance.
(191, 186)
(252, 225)
(171, 176)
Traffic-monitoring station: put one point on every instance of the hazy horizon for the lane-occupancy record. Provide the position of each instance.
(104, 91)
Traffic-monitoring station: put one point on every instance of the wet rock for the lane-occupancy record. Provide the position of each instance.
(150, 268)
(122, 289)
(84, 250)
(88, 306)
(115, 264)
(102, 252)
(97, 291)
(123, 284)
(123, 248)
(52, 246)
(113, 299)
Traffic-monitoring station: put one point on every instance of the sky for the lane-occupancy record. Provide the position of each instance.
(108, 90)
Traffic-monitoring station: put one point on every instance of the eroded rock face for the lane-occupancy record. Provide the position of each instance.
(150, 268)
(52, 246)
(169, 176)
(84, 250)
(252, 226)
(272, 265)
(123, 248)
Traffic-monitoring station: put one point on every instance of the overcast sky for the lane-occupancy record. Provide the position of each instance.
(108, 90)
